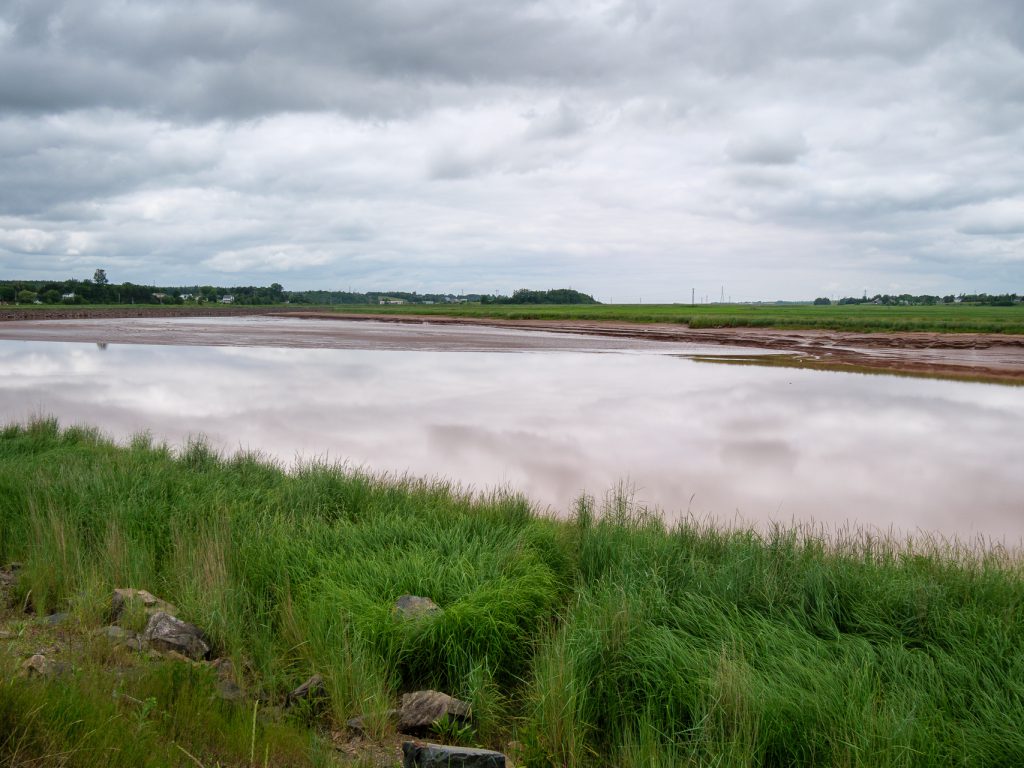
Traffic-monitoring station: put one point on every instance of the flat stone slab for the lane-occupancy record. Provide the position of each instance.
(417, 754)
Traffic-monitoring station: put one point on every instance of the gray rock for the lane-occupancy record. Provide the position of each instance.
(312, 689)
(40, 666)
(421, 755)
(152, 604)
(415, 607)
(57, 618)
(167, 633)
(422, 709)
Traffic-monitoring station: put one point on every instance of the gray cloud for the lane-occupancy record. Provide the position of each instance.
(768, 149)
(635, 148)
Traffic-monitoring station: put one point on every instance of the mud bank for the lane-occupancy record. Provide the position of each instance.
(9, 313)
(968, 356)
(972, 356)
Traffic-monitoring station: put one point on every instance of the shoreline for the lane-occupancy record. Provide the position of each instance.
(980, 357)
(970, 356)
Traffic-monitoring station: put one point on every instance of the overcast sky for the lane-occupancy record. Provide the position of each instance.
(634, 150)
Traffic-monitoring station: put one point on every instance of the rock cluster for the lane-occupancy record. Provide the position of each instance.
(420, 712)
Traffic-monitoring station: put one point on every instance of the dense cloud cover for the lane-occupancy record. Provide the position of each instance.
(629, 149)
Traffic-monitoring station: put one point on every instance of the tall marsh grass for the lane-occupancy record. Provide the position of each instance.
(607, 638)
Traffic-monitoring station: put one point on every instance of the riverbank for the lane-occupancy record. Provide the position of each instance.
(86, 312)
(984, 357)
(607, 639)
(969, 356)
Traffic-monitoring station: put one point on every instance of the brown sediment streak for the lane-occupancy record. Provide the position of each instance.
(971, 356)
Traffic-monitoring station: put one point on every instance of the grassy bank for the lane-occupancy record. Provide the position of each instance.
(604, 639)
(956, 318)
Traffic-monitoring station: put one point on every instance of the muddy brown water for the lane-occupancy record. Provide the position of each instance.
(551, 415)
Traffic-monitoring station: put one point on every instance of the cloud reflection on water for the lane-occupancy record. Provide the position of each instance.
(759, 443)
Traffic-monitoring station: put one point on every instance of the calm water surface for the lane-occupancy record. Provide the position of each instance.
(732, 442)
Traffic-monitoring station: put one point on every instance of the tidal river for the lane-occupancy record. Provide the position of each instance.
(553, 416)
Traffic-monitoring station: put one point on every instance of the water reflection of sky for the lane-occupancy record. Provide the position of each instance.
(758, 443)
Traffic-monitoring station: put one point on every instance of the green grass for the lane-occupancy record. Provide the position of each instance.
(605, 639)
(951, 318)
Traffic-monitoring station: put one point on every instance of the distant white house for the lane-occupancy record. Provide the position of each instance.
(67, 296)
(392, 301)
(186, 297)
(227, 299)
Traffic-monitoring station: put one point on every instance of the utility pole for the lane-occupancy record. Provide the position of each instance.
(692, 297)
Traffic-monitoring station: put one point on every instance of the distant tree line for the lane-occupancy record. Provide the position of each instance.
(376, 297)
(992, 300)
(556, 296)
(100, 291)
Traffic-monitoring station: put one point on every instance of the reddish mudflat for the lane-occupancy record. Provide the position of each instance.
(972, 356)
(976, 356)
